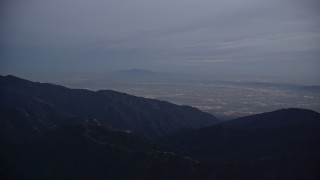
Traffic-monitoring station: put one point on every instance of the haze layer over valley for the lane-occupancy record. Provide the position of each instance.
(226, 96)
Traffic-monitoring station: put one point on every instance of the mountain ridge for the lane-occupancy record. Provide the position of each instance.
(55, 105)
(251, 138)
(277, 118)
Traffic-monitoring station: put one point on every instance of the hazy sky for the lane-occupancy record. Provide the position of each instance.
(275, 37)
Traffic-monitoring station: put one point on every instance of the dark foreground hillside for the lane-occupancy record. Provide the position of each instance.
(283, 144)
(92, 152)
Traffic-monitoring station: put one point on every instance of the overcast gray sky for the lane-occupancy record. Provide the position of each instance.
(274, 37)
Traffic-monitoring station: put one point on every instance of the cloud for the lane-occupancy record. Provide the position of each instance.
(158, 34)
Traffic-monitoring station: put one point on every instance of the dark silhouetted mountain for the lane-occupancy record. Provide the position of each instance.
(44, 106)
(279, 118)
(52, 132)
(252, 137)
(93, 152)
(283, 144)
(220, 143)
(290, 166)
(18, 125)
